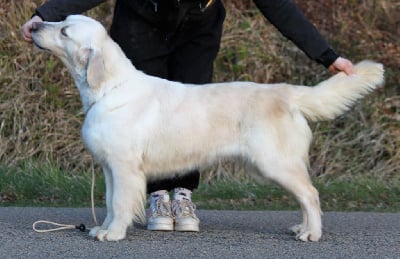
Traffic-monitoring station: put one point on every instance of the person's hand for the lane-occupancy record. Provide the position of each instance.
(27, 28)
(342, 64)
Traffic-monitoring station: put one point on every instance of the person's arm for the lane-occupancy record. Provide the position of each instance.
(58, 10)
(291, 22)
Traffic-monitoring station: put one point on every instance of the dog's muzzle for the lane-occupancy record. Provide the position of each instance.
(36, 27)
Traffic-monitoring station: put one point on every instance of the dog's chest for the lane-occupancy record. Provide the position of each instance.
(96, 135)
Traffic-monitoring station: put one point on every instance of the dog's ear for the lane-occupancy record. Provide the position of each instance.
(95, 69)
(93, 61)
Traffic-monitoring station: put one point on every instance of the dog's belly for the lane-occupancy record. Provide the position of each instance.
(173, 160)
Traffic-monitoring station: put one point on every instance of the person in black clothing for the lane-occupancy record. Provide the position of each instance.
(179, 40)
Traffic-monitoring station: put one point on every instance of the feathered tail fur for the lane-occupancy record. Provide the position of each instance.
(334, 96)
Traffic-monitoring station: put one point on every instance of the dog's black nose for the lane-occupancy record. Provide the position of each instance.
(36, 26)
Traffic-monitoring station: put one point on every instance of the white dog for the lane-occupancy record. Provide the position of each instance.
(140, 127)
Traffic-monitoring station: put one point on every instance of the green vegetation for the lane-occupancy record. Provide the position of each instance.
(355, 195)
(47, 185)
(355, 159)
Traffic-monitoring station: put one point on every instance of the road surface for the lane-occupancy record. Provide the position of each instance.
(223, 234)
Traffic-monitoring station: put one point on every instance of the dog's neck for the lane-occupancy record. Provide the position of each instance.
(89, 93)
(88, 96)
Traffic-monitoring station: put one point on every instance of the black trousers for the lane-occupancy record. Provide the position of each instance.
(175, 40)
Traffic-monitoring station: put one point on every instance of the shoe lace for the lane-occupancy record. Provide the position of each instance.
(160, 208)
(183, 208)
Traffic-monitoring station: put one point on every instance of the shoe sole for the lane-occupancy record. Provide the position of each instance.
(187, 228)
(160, 227)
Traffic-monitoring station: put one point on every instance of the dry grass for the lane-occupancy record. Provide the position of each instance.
(40, 111)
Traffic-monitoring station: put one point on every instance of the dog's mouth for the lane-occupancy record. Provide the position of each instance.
(37, 45)
(40, 47)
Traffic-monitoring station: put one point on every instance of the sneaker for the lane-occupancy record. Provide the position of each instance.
(161, 218)
(183, 210)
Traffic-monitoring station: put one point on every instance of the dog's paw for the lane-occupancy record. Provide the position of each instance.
(94, 230)
(109, 235)
(309, 236)
(297, 229)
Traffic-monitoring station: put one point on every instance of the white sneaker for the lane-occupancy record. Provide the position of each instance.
(183, 210)
(161, 218)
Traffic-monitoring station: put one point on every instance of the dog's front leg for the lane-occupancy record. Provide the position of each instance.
(109, 190)
(127, 201)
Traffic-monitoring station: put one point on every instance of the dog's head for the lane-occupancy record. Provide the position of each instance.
(78, 42)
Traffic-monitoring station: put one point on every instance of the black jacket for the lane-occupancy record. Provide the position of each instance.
(283, 14)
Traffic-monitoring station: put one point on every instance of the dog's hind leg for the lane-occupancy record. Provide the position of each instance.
(293, 176)
(299, 228)
(109, 191)
(127, 201)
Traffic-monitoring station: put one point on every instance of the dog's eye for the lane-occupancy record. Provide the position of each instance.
(64, 31)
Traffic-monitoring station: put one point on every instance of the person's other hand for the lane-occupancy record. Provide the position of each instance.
(27, 28)
(342, 64)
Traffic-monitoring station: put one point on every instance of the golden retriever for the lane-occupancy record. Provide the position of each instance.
(140, 127)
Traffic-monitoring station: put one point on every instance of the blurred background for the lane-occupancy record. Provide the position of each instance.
(40, 109)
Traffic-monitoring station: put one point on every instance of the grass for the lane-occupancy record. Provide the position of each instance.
(33, 185)
(335, 195)
(47, 185)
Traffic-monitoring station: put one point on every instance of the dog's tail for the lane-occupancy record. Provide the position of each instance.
(334, 96)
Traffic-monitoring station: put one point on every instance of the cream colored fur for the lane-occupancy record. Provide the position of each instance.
(140, 127)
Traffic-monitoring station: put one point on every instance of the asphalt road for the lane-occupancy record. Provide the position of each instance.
(223, 234)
